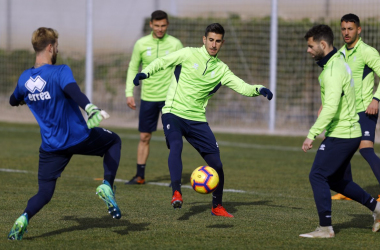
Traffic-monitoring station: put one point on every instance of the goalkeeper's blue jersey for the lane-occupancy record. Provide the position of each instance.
(61, 122)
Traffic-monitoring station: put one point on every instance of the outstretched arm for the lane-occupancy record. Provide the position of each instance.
(162, 63)
(74, 92)
(232, 81)
(95, 115)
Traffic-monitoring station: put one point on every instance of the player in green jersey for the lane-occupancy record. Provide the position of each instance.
(184, 113)
(363, 60)
(154, 89)
(343, 134)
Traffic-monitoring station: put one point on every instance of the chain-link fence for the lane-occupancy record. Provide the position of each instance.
(118, 24)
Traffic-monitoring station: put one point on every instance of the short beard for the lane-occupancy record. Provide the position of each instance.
(54, 58)
(319, 55)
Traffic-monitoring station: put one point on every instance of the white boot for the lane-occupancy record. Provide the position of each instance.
(320, 232)
(376, 217)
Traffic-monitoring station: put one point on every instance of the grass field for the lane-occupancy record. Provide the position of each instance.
(266, 188)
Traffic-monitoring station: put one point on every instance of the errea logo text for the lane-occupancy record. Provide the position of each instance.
(37, 84)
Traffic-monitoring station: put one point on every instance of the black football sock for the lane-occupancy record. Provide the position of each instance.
(110, 179)
(141, 170)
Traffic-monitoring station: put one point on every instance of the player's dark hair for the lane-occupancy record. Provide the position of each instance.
(351, 18)
(321, 32)
(42, 37)
(215, 28)
(159, 15)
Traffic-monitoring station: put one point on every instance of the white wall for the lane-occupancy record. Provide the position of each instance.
(118, 23)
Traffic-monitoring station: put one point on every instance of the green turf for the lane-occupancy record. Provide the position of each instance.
(275, 208)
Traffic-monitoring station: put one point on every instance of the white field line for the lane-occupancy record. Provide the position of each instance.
(14, 171)
(123, 181)
(221, 143)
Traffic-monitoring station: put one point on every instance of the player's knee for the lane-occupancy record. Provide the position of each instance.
(145, 138)
(176, 145)
(312, 176)
(218, 166)
(175, 142)
(118, 140)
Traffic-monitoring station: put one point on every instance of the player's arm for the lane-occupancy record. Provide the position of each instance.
(95, 114)
(14, 102)
(133, 69)
(320, 109)
(333, 93)
(16, 99)
(230, 80)
(372, 59)
(72, 91)
(162, 63)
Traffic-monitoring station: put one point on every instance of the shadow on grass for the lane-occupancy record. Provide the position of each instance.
(372, 190)
(220, 226)
(89, 223)
(185, 178)
(363, 221)
(231, 207)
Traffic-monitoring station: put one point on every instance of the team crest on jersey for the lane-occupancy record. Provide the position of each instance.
(35, 84)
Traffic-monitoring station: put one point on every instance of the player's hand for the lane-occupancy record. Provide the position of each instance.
(266, 93)
(307, 144)
(131, 102)
(373, 107)
(138, 77)
(95, 115)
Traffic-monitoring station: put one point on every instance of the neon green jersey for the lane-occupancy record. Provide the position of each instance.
(338, 115)
(201, 76)
(147, 49)
(363, 61)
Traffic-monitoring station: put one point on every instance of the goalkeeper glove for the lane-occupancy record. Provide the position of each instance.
(138, 77)
(95, 115)
(266, 93)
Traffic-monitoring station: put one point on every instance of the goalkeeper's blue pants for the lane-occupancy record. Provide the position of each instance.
(100, 142)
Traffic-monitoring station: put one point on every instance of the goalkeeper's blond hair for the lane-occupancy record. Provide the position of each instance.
(42, 37)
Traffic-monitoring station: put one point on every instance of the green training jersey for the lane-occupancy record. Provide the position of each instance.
(145, 51)
(201, 76)
(338, 115)
(363, 60)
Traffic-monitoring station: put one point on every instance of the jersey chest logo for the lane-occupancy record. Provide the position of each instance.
(35, 84)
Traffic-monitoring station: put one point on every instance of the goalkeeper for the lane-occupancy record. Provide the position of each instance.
(184, 114)
(53, 96)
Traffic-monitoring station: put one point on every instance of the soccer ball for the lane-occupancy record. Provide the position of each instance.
(204, 179)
